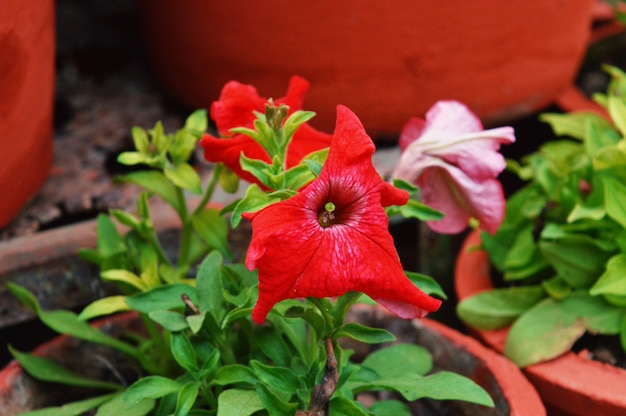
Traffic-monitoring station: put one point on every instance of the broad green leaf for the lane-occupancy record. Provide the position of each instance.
(398, 359)
(498, 308)
(364, 334)
(119, 275)
(235, 374)
(274, 347)
(238, 402)
(598, 315)
(103, 307)
(254, 200)
(426, 284)
(341, 406)
(213, 229)
(615, 199)
(184, 176)
(110, 242)
(170, 320)
(443, 385)
(72, 409)
(116, 407)
(210, 287)
(154, 182)
(186, 398)
(543, 332)
(613, 280)
(197, 121)
(149, 387)
(67, 322)
(183, 352)
(162, 297)
(275, 405)
(390, 408)
(46, 370)
(281, 379)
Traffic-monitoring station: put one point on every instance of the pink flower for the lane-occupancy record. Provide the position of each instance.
(236, 107)
(455, 163)
(333, 236)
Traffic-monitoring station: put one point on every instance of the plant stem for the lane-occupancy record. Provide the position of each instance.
(326, 388)
(185, 237)
(215, 176)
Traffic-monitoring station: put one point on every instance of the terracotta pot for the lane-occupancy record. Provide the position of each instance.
(570, 385)
(387, 61)
(451, 351)
(27, 42)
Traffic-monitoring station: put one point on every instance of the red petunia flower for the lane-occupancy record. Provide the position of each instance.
(333, 236)
(455, 163)
(236, 107)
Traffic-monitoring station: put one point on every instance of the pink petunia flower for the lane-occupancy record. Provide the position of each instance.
(455, 163)
(236, 107)
(333, 236)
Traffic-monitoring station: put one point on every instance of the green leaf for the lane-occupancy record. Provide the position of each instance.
(615, 199)
(238, 402)
(67, 322)
(617, 111)
(390, 408)
(279, 378)
(234, 374)
(186, 398)
(154, 182)
(498, 308)
(341, 406)
(170, 320)
(543, 332)
(416, 209)
(116, 406)
(229, 181)
(212, 227)
(119, 275)
(132, 158)
(184, 176)
(612, 281)
(210, 287)
(254, 200)
(104, 306)
(426, 284)
(149, 387)
(273, 403)
(46, 370)
(197, 121)
(183, 352)
(140, 138)
(72, 409)
(162, 297)
(399, 359)
(110, 242)
(364, 334)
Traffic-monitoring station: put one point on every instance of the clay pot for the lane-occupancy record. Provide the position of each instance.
(451, 351)
(387, 61)
(27, 42)
(570, 385)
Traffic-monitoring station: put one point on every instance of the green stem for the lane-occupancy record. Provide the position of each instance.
(185, 237)
(215, 176)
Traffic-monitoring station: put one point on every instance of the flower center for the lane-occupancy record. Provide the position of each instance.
(326, 218)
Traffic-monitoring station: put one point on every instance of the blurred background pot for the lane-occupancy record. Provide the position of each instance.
(387, 61)
(27, 45)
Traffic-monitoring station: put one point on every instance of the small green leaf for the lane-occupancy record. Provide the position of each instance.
(110, 242)
(197, 121)
(280, 378)
(140, 138)
(149, 387)
(186, 398)
(45, 370)
(612, 281)
(212, 227)
(132, 158)
(398, 359)
(184, 176)
(238, 402)
(162, 297)
(170, 320)
(390, 408)
(364, 334)
(426, 284)
(72, 409)
(104, 306)
(499, 307)
(116, 406)
(275, 405)
(119, 275)
(254, 200)
(615, 199)
(183, 352)
(154, 182)
(229, 180)
(234, 374)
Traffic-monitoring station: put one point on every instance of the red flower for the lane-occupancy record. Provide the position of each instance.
(333, 236)
(236, 107)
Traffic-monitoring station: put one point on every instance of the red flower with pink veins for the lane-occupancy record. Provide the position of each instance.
(333, 236)
(236, 107)
(455, 163)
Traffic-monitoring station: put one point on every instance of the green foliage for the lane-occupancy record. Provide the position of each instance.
(561, 246)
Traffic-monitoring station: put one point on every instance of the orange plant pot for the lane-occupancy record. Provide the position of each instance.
(27, 45)
(387, 61)
(569, 385)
